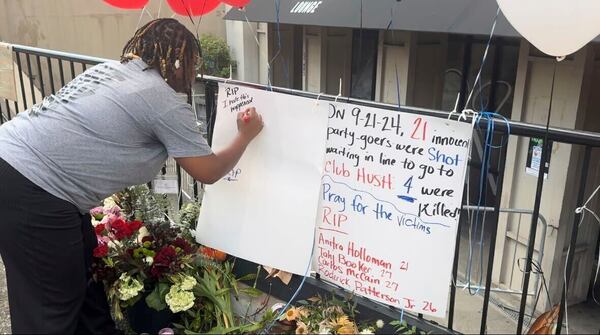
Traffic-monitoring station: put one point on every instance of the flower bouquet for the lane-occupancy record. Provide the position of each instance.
(323, 316)
(135, 260)
(157, 266)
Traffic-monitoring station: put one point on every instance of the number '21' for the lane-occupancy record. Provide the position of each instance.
(419, 125)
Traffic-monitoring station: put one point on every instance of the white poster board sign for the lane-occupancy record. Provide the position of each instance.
(8, 88)
(265, 209)
(389, 205)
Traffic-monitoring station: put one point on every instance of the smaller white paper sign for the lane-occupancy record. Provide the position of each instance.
(166, 185)
(264, 209)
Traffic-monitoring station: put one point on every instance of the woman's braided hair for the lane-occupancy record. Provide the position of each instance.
(166, 45)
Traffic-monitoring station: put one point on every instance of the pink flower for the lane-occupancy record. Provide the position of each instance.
(103, 239)
(97, 213)
(108, 219)
(115, 210)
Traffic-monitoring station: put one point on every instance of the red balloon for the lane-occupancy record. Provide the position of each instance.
(195, 7)
(237, 3)
(127, 4)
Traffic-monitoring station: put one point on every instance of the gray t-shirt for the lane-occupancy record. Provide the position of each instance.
(111, 127)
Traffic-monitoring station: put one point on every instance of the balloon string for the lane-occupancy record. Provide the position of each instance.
(260, 50)
(485, 53)
(485, 162)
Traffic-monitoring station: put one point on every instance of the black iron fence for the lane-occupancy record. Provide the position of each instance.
(42, 72)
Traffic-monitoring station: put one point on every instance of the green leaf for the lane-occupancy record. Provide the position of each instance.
(250, 276)
(155, 300)
(163, 289)
(252, 292)
(218, 330)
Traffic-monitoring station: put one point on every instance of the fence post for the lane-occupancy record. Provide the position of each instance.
(492, 251)
(574, 231)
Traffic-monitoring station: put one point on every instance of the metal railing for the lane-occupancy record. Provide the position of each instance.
(534, 291)
(584, 139)
(42, 72)
(544, 227)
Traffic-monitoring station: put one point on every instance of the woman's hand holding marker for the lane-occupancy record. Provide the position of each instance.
(249, 123)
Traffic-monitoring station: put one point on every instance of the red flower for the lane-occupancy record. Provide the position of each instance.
(120, 229)
(135, 226)
(99, 228)
(101, 250)
(183, 245)
(163, 260)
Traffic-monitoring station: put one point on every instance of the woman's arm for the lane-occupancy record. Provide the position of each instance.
(211, 168)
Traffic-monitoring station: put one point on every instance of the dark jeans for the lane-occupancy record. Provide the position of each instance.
(46, 246)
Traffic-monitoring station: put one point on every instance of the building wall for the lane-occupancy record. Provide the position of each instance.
(327, 60)
(396, 74)
(86, 27)
(532, 98)
(425, 70)
(584, 251)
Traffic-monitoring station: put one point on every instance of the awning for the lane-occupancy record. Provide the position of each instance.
(471, 17)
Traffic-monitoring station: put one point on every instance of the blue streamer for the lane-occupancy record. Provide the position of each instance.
(485, 163)
(490, 118)
(268, 328)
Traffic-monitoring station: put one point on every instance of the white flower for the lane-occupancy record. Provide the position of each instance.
(379, 324)
(149, 260)
(142, 232)
(301, 328)
(325, 327)
(324, 330)
(187, 283)
(366, 331)
(129, 287)
(109, 202)
(114, 244)
(179, 300)
(177, 64)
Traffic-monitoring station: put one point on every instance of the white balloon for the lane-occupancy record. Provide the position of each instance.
(556, 27)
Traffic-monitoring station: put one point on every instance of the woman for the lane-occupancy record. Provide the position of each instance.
(111, 127)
